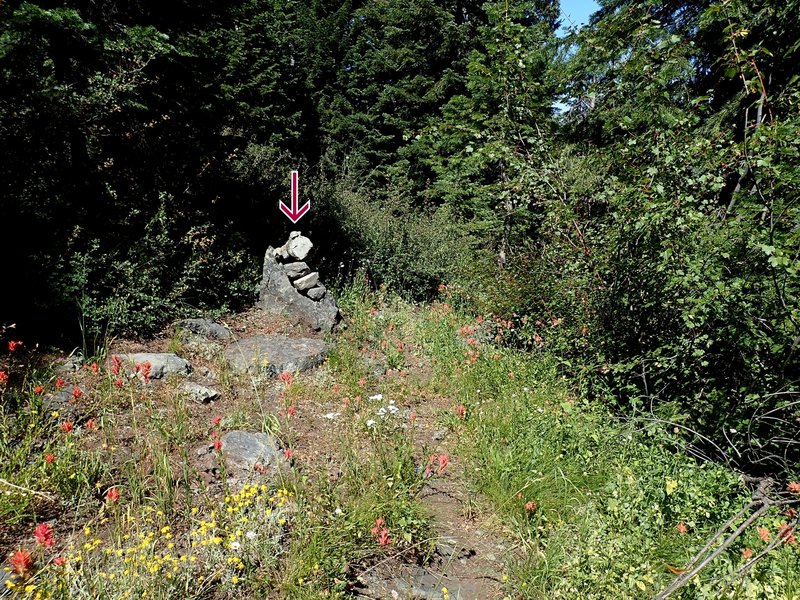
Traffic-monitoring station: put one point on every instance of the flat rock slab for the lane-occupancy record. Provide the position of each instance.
(204, 328)
(161, 363)
(243, 450)
(274, 354)
(199, 393)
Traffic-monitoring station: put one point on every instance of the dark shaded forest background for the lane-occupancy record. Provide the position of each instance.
(646, 231)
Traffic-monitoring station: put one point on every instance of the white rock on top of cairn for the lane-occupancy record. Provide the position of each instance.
(297, 247)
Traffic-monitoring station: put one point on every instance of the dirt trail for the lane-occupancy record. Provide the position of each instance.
(468, 563)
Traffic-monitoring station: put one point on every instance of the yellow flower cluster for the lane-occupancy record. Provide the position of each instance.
(145, 556)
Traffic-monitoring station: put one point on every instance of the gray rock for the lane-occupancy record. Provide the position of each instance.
(243, 450)
(276, 295)
(296, 269)
(307, 282)
(63, 404)
(199, 393)
(299, 247)
(317, 292)
(439, 435)
(205, 328)
(70, 365)
(161, 363)
(274, 354)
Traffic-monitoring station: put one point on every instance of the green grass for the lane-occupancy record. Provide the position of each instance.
(609, 498)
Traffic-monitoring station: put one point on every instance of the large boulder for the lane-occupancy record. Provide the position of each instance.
(277, 293)
(273, 354)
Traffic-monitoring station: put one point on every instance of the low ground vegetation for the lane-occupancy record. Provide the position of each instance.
(103, 499)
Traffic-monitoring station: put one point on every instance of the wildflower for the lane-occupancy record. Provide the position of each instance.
(3, 377)
(376, 397)
(216, 421)
(77, 392)
(22, 561)
(413, 416)
(90, 424)
(440, 461)
(379, 522)
(383, 537)
(286, 377)
(531, 506)
(38, 389)
(95, 368)
(763, 533)
(44, 535)
(67, 426)
(380, 532)
(291, 411)
(794, 487)
(118, 383)
(116, 364)
(444, 460)
(362, 383)
(747, 554)
(59, 561)
(786, 533)
(112, 495)
(143, 369)
(218, 445)
(49, 458)
(682, 528)
(13, 345)
(288, 454)
(60, 383)
(250, 535)
(461, 411)
(442, 288)
(371, 422)
(400, 345)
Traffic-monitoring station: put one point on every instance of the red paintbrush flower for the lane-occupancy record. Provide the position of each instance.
(22, 561)
(44, 535)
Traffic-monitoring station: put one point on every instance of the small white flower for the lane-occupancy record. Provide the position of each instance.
(332, 415)
(371, 422)
(381, 411)
(376, 397)
(250, 535)
(338, 511)
(235, 546)
(392, 408)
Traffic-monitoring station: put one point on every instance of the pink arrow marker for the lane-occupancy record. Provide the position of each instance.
(297, 211)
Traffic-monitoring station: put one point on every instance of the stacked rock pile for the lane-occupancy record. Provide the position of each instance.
(291, 257)
(290, 287)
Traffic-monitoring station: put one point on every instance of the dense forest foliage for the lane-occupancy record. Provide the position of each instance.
(625, 196)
